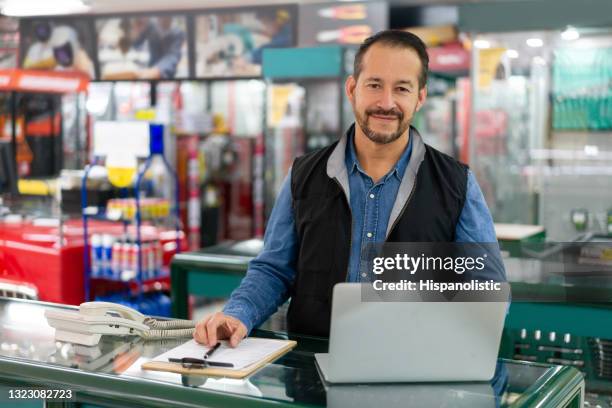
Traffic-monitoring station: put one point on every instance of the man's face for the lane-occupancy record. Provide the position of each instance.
(386, 95)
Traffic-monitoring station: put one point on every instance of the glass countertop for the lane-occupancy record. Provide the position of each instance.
(26, 341)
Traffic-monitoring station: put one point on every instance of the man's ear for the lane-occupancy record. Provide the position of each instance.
(422, 97)
(349, 87)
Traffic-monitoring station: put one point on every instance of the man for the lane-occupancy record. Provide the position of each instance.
(165, 45)
(380, 182)
(277, 27)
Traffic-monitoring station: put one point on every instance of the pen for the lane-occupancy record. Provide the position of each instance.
(188, 362)
(211, 351)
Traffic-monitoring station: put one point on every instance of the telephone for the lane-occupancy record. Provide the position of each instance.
(93, 319)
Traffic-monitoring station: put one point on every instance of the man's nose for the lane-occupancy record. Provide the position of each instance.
(386, 101)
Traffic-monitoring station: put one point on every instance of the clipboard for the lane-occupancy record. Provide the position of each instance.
(219, 371)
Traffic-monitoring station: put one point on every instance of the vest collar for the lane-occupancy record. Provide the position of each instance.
(336, 169)
(409, 178)
(336, 166)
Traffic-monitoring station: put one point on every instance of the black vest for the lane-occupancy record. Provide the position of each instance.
(323, 223)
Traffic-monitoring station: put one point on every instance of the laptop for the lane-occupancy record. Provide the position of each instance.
(373, 342)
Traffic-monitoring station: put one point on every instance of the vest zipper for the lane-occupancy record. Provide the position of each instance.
(351, 234)
(403, 209)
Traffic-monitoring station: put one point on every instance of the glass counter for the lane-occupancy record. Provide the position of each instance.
(109, 374)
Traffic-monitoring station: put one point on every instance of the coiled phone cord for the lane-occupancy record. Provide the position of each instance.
(167, 334)
(166, 329)
(169, 324)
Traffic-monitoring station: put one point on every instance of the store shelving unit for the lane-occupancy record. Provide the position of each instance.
(140, 284)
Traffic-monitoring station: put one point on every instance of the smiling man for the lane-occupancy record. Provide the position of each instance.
(379, 183)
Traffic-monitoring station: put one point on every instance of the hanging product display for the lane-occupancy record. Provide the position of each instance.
(582, 96)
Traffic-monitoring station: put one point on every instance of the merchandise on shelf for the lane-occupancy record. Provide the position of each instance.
(151, 208)
(115, 257)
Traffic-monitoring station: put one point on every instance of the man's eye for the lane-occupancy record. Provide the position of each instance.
(373, 86)
(402, 89)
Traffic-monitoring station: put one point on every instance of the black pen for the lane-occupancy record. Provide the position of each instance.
(211, 351)
(188, 362)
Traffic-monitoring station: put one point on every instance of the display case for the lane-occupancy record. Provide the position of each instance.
(40, 247)
(540, 141)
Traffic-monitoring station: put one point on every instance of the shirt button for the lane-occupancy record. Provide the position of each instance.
(369, 234)
(371, 195)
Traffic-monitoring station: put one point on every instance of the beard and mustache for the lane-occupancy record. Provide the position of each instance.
(382, 138)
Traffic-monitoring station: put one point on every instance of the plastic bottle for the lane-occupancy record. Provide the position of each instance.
(107, 255)
(159, 258)
(147, 272)
(96, 256)
(134, 261)
(125, 269)
(153, 261)
(162, 182)
(117, 260)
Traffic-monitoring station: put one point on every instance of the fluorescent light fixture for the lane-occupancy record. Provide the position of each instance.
(29, 8)
(512, 53)
(570, 34)
(482, 44)
(535, 42)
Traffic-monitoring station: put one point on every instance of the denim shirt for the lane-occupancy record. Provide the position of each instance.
(371, 204)
(270, 274)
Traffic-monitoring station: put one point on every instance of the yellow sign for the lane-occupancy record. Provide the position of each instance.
(279, 101)
(145, 114)
(488, 60)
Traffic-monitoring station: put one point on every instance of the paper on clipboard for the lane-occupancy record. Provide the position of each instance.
(248, 352)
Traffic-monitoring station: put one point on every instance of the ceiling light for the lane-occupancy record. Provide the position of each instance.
(570, 34)
(28, 8)
(512, 53)
(535, 42)
(482, 44)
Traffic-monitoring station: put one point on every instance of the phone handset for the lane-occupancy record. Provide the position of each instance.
(93, 319)
(108, 308)
(111, 310)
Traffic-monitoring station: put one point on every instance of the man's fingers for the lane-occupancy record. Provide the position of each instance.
(211, 330)
(200, 331)
(219, 327)
(238, 334)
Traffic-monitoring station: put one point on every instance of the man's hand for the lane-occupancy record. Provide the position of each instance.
(219, 327)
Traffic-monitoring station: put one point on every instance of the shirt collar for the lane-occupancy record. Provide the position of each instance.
(352, 163)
